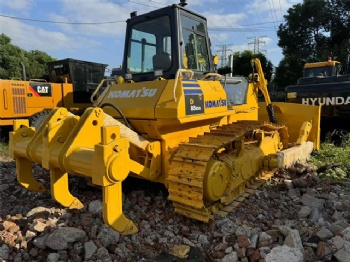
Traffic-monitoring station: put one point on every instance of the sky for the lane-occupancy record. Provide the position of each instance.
(94, 30)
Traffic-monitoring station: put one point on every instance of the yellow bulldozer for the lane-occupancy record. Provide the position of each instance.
(170, 119)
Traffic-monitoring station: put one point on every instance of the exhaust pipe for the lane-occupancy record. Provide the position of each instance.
(23, 72)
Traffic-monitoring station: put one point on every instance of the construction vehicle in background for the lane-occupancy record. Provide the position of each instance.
(326, 84)
(170, 120)
(71, 84)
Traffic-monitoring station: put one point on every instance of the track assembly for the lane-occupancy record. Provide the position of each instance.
(211, 174)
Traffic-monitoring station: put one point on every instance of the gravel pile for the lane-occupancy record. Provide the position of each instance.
(294, 217)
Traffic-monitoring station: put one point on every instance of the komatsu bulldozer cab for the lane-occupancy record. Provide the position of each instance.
(161, 42)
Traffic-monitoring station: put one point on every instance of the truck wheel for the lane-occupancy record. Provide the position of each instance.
(38, 118)
(4, 133)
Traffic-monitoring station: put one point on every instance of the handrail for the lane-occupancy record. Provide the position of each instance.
(180, 71)
(98, 88)
(38, 80)
(216, 75)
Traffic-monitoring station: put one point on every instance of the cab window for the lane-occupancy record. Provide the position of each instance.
(150, 46)
(194, 48)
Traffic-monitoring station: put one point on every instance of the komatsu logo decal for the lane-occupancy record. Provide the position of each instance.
(327, 101)
(215, 103)
(144, 92)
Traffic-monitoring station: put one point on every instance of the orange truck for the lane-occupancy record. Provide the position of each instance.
(71, 85)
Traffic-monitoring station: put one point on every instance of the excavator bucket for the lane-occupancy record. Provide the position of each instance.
(294, 116)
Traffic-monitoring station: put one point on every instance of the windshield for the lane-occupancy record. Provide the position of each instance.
(150, 46)
(318, 71)
(195, 50)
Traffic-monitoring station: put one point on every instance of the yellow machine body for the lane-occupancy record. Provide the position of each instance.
(22, 99)
(71, 84)
(205, 139)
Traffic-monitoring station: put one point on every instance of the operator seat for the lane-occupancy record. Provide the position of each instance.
(162, 61)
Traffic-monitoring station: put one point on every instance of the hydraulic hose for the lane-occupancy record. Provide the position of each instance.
(271, 113)
(120, 113)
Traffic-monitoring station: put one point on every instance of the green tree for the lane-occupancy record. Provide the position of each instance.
(37, 63)
(10, 59)
(313, 31)
(242, 65)
(339, 28)
(12, 56)
(289, 70)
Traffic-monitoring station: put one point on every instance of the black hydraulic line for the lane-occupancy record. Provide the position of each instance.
(271, 113)
(119, 111)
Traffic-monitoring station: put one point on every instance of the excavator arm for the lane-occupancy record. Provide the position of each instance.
(260, 82)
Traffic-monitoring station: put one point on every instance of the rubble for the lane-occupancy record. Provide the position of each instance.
(306, 220)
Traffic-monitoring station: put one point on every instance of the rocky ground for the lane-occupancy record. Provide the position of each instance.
(293, 217)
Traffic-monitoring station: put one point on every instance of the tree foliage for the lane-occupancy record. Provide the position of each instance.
(12, 56)
(243, 67)
(313, 31)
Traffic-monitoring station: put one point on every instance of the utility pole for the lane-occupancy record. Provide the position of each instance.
(257, 41)
(224, 55)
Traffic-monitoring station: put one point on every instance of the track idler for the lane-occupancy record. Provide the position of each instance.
(66, 144)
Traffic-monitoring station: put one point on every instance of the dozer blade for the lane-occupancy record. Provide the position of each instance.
(294, 116)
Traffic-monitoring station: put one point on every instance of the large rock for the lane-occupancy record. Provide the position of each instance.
(284, 253)
(265, 237)
(338, 226)
(60, 238)
(40, 241)
(38, 226)
(53, 257)
(343, 249)
(4, 252)
(202, 239)
(38, 210)
(108, 236)
(103, 255)
(313, 202)
(233, 257)
(324, 234)
(324, 251)
(95, 207)
(346, 233)
(227, 226)
(293, 240)
(90, 249)
(304, 212)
